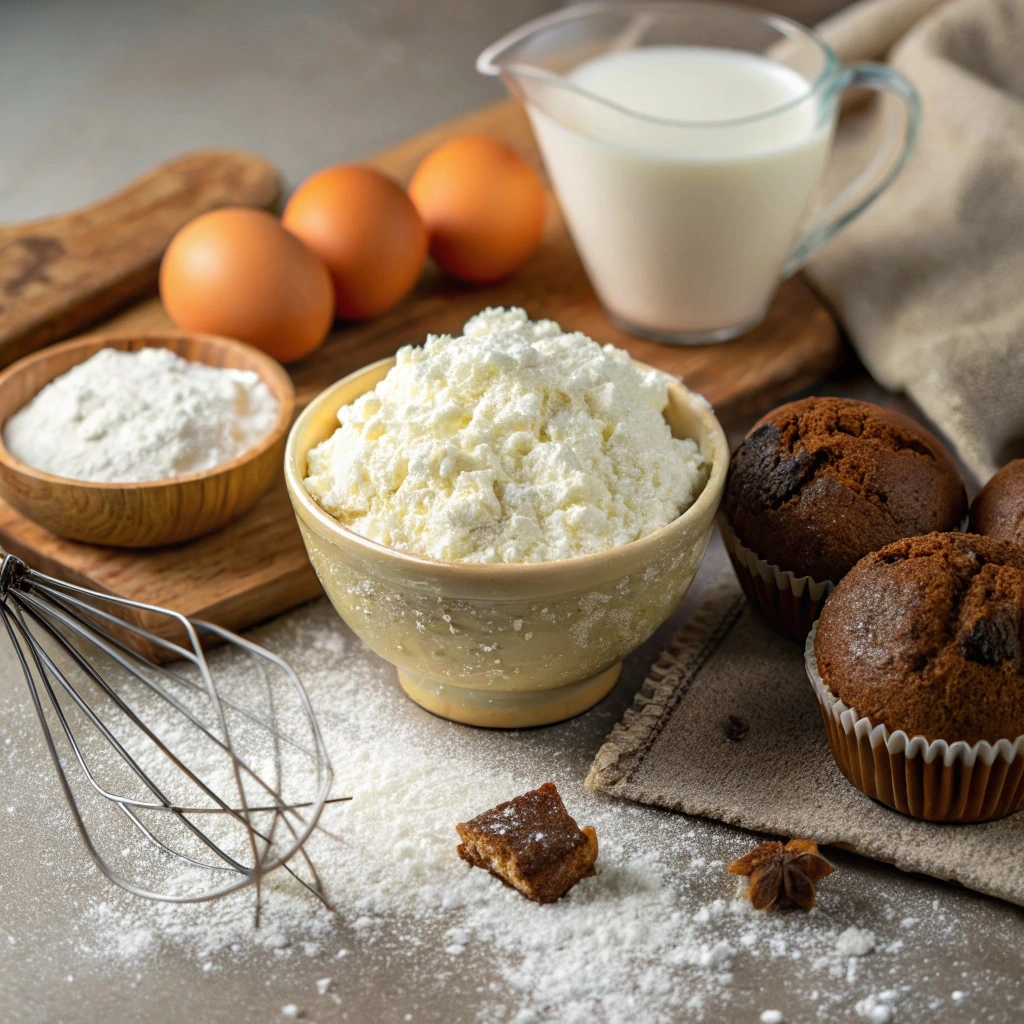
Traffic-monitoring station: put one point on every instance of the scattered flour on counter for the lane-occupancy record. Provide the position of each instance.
(129, 417)
(654, 938)
(878, 1008)
(855, 941)
(515, 442)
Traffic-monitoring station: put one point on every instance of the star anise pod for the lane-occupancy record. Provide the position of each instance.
(793, 868)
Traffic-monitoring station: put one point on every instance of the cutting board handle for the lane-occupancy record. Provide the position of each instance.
(62, 274)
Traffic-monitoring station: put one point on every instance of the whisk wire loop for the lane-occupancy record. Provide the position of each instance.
(157, 727)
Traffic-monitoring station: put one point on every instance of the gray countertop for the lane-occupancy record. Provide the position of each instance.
(107, 88)
(103, 91)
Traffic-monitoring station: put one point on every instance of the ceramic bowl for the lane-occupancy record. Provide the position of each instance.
(505, 645)
(137, 515)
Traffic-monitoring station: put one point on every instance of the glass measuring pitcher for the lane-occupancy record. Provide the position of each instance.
(684, 141)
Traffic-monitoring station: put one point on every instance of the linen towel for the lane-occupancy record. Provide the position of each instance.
(929, 281)
(727, 726)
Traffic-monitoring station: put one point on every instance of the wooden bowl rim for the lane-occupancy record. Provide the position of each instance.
(271, 372)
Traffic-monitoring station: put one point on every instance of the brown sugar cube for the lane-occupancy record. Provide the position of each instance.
(532, 844)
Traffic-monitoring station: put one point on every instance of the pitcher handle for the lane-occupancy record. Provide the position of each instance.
(852, 200)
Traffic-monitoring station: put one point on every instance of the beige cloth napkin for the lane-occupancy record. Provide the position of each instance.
(672, 749)
(929, 282)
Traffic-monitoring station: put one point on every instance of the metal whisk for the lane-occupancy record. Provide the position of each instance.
(194, 788)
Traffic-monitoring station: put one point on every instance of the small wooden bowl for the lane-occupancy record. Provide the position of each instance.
(142, 515)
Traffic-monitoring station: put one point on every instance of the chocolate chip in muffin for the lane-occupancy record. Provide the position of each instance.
(819, 483)
(927, 635)
(989, 623)
(998, 509)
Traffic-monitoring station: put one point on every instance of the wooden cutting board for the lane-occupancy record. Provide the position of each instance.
(256, 567)
(63, 274)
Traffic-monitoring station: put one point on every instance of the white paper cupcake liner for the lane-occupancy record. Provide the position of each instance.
(933, 780)
(788, 603)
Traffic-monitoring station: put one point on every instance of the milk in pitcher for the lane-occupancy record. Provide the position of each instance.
(685, 215)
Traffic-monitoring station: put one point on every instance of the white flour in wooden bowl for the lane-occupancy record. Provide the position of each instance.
(128, 417)
(515, 442)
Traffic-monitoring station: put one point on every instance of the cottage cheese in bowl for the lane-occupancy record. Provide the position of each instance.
(536, 505)
(515, 442)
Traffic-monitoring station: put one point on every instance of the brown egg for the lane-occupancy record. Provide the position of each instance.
(365, 228)
(483, 205)
(237, 272)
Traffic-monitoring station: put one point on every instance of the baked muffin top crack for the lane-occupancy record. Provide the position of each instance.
(927, 636)
(819, 483)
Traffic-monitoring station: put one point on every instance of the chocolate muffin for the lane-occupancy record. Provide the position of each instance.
(927, 635)
(819, 483)
(998, 510)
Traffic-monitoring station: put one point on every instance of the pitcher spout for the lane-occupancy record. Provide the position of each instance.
(534, 60)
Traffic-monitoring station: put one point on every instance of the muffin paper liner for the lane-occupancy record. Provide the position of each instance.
(934, 781)
(790, 604)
